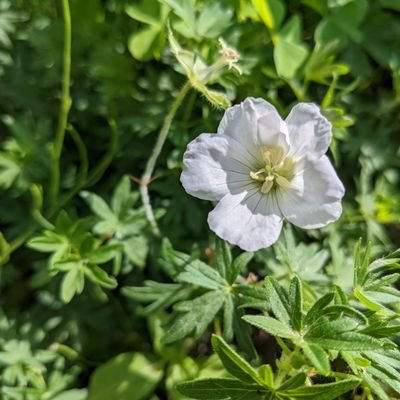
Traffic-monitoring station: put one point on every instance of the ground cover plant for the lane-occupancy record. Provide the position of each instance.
(145, 256)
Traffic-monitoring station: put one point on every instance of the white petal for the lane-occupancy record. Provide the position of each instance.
(253, 123)
(310, 133)
(314, 198)
(215, 165)
(250, 220)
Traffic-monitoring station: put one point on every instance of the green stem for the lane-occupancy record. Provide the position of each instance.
(151, 162)
(97, 172)
(65, 104)
(93, 177)
(72, 354)
(76, 137)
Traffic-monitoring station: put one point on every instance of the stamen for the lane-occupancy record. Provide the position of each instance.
(267, 186)
(282, 182)
(278, 169)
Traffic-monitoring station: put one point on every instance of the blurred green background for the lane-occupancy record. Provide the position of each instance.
(58, 323)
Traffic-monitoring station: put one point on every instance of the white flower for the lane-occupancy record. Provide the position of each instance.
(261, 170)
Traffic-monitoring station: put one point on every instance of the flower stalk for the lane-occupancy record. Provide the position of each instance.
(146, 177)
(65, 105)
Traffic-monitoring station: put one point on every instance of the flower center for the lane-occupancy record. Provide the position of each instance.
(278, 169)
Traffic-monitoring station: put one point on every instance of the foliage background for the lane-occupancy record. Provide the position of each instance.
(87, 291)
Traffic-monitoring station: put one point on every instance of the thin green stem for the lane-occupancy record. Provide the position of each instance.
(151, 162)
(65, 104)
(91, 179)
(97, 172)
(83, 156)
(71, 354)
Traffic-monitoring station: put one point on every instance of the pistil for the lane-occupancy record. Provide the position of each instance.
(278, 169)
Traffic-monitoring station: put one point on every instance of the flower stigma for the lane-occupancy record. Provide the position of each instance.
(278, 169)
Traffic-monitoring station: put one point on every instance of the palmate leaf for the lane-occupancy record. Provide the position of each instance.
(326, 327)
(222, 297)
(380, 368)
(373, 282)
(252, 384)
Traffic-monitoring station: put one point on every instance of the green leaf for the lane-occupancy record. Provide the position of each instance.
(221, 389)
(318, 358)
(289, 57)
(184, 9)
(316, 311)
(229, 315)
(73, 282)
(213, 20)
(278, 300)
(199, 273)
(223, 256)
(73, 394)
(122, 199)
(328, 391)
(197, 315)
(98, 205)
(47, 243)
(100, 277)
(129, 376)
(233, 363)
(293, 382)
(296, 304)
(332, 339)
(147, 12)
(136, 249)
(361, 264)
(271, 325)
(145, 43)
(105, 253)
(271, 12)
(237, 266)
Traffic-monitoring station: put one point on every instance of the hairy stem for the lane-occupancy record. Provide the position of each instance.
(151, 162)
(65, 104)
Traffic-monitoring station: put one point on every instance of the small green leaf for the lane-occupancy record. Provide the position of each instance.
(105, 253)
(199, 273)
(316, 311)
(223, 256)
(221, 389)
(233, 363)
(73, 282)
(278, 300)
(237, 266)
(271, 325)
(229, 315)
(122, 197)
(271, 12)
(328, 391)
(296, 304)
(129, 376)
(293, 382)
(196, 315)
(289, 57)
(98, 205)
(136, 249)
(318, 358)
(100, 277)
(145, 43)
